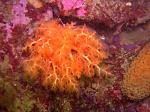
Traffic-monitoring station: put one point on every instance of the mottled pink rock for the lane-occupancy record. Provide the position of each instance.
(115, 12)
(81, 12)
(110, 12)
(8, 31)
(18, 17)
(18, 13)
(72, 6)
(48, 15)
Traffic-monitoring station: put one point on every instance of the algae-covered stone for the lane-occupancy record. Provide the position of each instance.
(7, 95)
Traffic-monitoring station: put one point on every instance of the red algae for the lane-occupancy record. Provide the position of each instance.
(61, 54)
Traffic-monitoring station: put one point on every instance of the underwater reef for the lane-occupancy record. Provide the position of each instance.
(110, 12)
(74, 55)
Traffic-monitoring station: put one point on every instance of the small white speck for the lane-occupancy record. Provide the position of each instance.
(15, 85)
(128, 4)
(103, 37)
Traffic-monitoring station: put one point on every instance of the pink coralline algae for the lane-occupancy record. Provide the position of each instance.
(18, 17)
(72, 6)
(8, 31)
(81, 12)
(18, 13)
(48, 15)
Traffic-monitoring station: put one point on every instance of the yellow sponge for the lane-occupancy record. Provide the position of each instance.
(136, 83)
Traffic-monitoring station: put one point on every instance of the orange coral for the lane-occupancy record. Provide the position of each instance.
(62, 53)
(136, 83)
